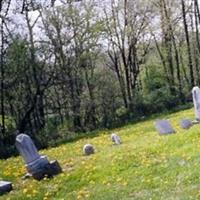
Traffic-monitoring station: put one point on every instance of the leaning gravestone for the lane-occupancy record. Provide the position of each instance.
(164, 127)
(185, 123)
(5, 187)
(115, 138)
(196, 101)
(38, 166)
(88, 149)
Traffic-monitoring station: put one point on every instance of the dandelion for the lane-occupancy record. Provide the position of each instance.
(108, 184)
(92, 182)
(25, 191)
(119, 179)
(46, 194)
(35, 191)
(125, 183)
(83, 162)
(87, 195)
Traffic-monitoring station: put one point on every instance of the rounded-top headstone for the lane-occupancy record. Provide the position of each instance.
(26, 148)
(115, 138)
(185, 123)
(88, 149)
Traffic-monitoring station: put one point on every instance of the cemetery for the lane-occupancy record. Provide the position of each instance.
(146, 165)
(99, 100)
(143, 151)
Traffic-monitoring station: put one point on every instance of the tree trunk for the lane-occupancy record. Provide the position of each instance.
(2, 127)
(188, 44)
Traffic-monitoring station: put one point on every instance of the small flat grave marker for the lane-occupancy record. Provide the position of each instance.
(115, 138)
(185, 123)
(5, 187)
(88, 149)
(164, 127)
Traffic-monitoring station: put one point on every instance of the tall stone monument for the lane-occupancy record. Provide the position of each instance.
(37, 165)
(196, 101)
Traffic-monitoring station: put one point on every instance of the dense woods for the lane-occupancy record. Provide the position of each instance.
(76, 66)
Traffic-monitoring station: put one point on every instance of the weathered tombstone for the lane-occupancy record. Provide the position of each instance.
(5, 187)
(185, 123)
(196, 101)
(164, 127)
(88, 149)
(115, 138)
(38, 166)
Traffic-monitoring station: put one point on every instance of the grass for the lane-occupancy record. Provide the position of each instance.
(145, 166)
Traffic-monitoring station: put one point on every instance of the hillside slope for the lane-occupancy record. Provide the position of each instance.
(145, 166)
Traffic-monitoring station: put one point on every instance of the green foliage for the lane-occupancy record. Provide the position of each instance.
(9, 123)
(82, 73)
(154, 78)
(156, 94)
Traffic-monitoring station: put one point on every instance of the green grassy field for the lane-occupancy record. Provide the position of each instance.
(145, 166)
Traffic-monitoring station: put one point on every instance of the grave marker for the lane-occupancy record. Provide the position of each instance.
(164, 127)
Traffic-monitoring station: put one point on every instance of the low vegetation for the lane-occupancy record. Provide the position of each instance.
(145, 166)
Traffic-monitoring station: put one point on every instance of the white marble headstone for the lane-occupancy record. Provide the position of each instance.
(196, 101)
(26, 148)
(115, 138)
(164, 127)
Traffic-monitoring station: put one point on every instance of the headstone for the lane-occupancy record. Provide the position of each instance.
(54, 168)
(5, 187)
(115, 138)
(36, 164)
(196, 101)
(185, 123)
(164, 127)
(27, 148)
(88, 149)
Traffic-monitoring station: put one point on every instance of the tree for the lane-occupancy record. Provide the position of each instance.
(125, 27)
(190, 63)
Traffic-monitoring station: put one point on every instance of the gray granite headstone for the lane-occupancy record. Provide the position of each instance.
(37, 165)
(164, 127)
(88, 149)
(115, 138)
(5, 187)
(27, 148)
(185, 123)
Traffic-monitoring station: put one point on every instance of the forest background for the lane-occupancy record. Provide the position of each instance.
(71, 67)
